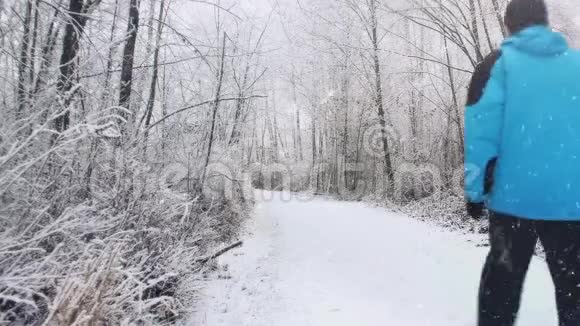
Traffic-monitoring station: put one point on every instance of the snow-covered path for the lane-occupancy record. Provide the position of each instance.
(321, 262)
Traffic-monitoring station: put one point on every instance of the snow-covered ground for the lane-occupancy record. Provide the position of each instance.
(322, 262)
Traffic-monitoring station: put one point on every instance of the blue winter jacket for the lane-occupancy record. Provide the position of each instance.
(529, 119)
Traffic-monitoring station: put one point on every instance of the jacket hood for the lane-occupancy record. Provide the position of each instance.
(539, 41)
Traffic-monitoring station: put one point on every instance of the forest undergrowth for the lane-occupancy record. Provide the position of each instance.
(84, 242)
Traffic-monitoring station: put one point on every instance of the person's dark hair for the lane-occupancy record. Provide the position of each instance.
(521, 14)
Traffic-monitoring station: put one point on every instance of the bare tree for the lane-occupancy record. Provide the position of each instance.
(154, 78)
(129, 57)
(498, 15)
(24, 61)
(379, 91)
(215, 107)
(77, 19)
(110, 53)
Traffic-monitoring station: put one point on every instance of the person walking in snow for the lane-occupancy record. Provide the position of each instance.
(522, 161)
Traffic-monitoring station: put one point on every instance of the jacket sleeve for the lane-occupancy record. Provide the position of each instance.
(483, 128)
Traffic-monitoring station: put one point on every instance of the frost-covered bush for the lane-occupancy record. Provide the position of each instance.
(446, 209)
(89, 237)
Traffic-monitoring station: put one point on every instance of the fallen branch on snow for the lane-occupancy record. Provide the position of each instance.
(220, 252)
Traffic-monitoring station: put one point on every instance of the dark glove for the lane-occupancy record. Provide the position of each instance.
(475, 210)
(489, 175)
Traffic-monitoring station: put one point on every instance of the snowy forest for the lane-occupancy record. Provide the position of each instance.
(134, 133)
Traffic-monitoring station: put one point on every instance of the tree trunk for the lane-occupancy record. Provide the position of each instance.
(447, 164)
(33, 44)
(128, 58)
(345, 132)
(140, 80)
(164, 129)
(298, 135)
(498, 15)
(154, 78)
(239, 117)
(282, 147)
(300, 156)
(313, 135)
(70, 48)
(475, 30)
(47, 52)
(485, 27)
(389, 173)
(455, 100)
(235, 135)
(215, 109)
(22, 94)
(313, 172)
(272, 128)
(358, 174)
(106, 91)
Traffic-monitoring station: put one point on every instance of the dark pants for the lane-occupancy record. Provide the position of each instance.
(513, 241)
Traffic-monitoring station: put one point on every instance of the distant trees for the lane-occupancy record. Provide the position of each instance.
(409, 62)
